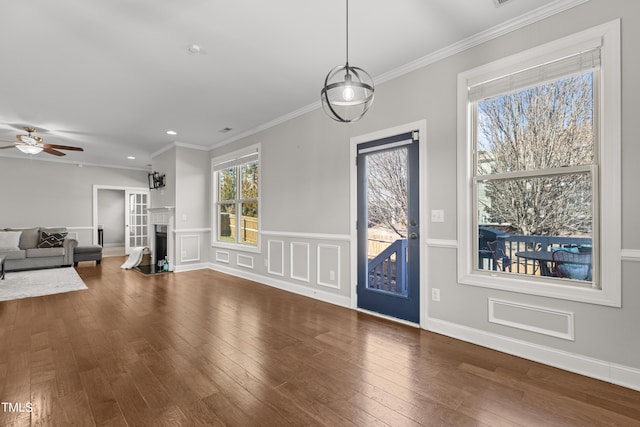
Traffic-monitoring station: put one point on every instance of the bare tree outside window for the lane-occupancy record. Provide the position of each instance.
(387, 190)
(536, 129)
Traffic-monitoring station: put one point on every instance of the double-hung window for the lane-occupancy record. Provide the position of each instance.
(539, 167)
(236, 198)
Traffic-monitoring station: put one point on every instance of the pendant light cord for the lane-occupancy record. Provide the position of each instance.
(347, 32)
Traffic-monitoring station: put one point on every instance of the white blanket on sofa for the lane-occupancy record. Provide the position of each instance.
(135, 258)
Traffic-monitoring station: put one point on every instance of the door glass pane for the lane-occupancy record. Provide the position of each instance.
(387, 187)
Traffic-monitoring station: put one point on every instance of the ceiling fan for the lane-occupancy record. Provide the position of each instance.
(32, 144)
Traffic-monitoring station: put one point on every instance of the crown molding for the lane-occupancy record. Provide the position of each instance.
(535, 15)
(489, 34)
(74, 163)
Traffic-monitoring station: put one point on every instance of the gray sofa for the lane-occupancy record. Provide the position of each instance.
(38, 247)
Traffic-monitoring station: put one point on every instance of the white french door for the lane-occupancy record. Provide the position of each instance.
(136, 219)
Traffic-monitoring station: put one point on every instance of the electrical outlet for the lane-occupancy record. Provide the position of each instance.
(332, 275)
(266, 262)
(435, 294)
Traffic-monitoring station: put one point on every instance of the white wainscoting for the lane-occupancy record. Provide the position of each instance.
(306, 263)
(189, 248)
(222, 256)
(275, 257)
(329, 266)
(555, 323)
(300, 265)
(245, 261)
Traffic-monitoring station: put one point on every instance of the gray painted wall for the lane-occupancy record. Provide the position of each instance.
(305, 183)
(111, 216)
(165, 164)
(192, 189)
(35, 192)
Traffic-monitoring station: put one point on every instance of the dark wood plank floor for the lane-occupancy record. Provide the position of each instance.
(203, 348)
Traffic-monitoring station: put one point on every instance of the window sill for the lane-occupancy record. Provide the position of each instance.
(236, 247)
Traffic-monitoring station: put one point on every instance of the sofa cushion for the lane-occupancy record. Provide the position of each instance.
(51, 240)
(10, 240)
(45, 252)
(17, 254)
(30, 237)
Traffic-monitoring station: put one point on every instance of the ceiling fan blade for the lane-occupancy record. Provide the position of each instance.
(8, 146)
(52, 151)
(63, 147)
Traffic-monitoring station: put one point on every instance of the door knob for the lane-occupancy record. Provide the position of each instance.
(413, 236)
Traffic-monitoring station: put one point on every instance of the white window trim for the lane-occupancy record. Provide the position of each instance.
(607, 36)
(252, 149)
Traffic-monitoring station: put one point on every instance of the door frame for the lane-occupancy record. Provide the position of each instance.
(124, 189)
(421, 127)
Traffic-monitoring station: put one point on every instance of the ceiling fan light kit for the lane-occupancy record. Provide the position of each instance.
(29, 149)
(31, 144)
(348, 91)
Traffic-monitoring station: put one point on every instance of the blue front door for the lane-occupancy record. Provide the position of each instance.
(388, 228)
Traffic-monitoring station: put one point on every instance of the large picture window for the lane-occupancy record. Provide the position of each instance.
(236, 198)
(539, 162)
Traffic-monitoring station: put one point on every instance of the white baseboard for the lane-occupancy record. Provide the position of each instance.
(341, 300)
(190, 267)
(606, 371)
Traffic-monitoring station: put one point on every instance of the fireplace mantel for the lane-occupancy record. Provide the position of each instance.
(162, 215)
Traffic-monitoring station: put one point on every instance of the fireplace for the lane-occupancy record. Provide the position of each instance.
(160, 238)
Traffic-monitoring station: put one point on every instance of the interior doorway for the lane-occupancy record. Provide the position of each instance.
(111, 221)
(120, 218)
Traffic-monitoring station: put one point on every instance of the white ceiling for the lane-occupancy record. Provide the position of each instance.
(113, 76)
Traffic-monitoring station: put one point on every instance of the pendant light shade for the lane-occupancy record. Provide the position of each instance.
(348, 91)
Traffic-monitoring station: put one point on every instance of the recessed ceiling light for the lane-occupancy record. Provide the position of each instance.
(131, 158)
(172, 132)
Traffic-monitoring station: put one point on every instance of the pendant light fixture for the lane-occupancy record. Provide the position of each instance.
(348, 91)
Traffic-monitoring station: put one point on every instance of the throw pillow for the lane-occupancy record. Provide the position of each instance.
(51, 240)
(10, 240)
(30, 237)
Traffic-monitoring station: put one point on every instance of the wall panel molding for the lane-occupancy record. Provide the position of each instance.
(541, 320)
(189, 248)
(300, 265)
(222, 256)
(245, 261)
(328, 271)
(275, 257)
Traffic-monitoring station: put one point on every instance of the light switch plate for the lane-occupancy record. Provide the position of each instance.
(437, 215)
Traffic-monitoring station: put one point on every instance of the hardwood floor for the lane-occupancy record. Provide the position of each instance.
(203, 348)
